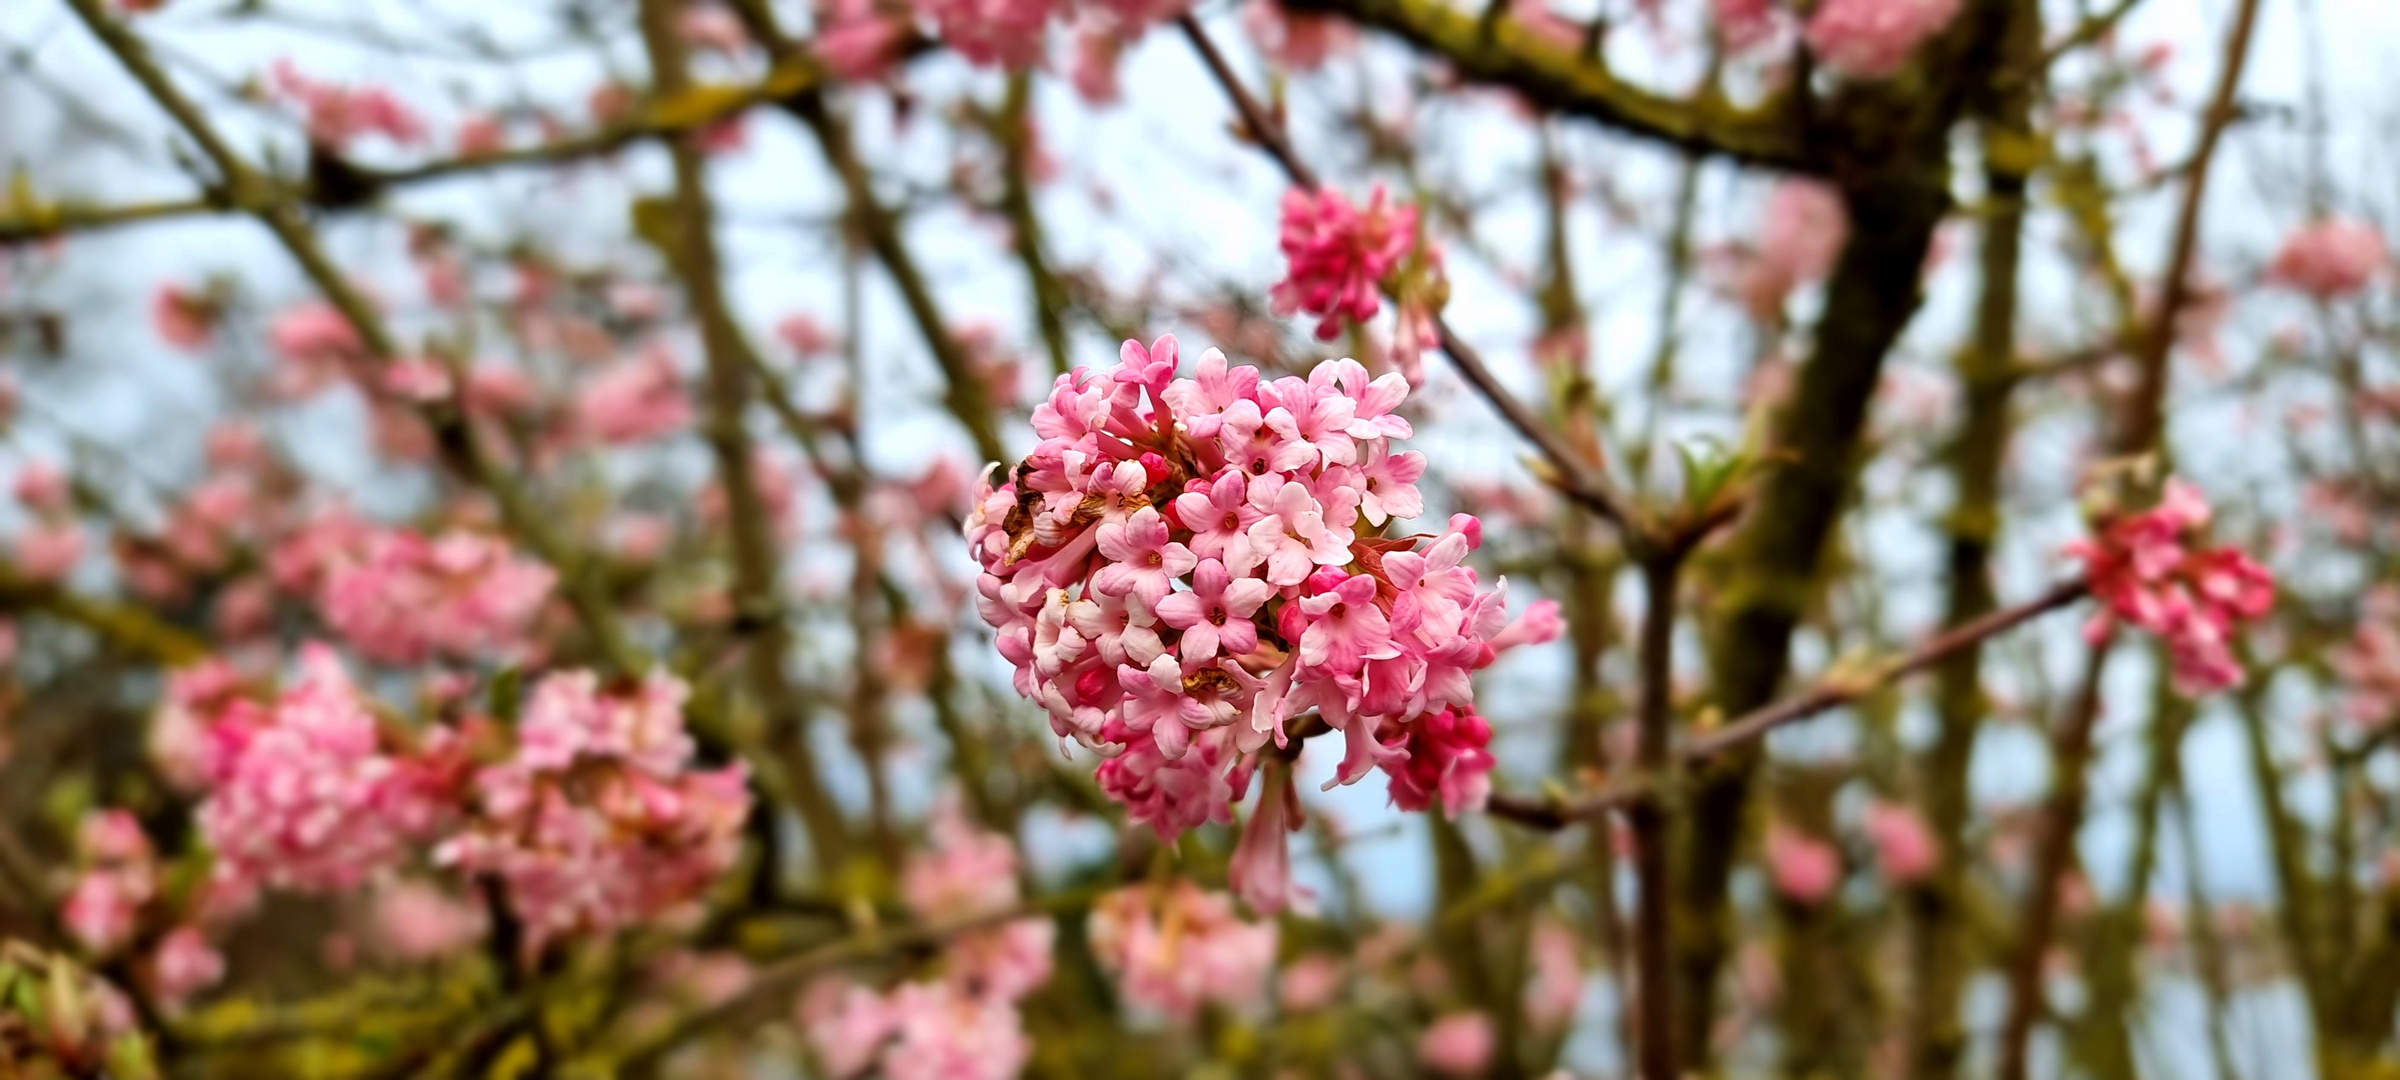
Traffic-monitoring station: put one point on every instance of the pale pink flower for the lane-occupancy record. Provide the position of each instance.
(1345, 628)
(1749, 24)
(967, 873)
(338, 114)
(182, 319)
(316, 344)
(183, 965)
(1291, 537)
(101, 909)
(846, 1024)
(415, 921)
(1339, 255)
(2331, 257)
(711, 28)
(1143, 562)
(803, 334)
(304, 794)
(1172, 948)
(44, 486)
(1905, 847)
(482, 133)
(1871, 39)
(942, 1032)
(1804, 869)
(47, 552)
(406, 597)
(859, 43)
(1555, 988)
(1309, 983)
(1216, 614)
(1460, 1044)
(1219, 516)
(992, 33)
(635, 402)
(597, 821)
(1298, 42)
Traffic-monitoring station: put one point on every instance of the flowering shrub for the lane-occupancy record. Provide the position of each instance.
(1185, 565)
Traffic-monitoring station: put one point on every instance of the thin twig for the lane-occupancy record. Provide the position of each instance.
(1831, 692)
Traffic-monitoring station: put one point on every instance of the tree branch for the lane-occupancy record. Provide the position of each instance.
(1830, 692)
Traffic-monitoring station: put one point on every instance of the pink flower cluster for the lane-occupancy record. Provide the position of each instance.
(635, 402)
(1339, 255)
(120, 874)
(963, 1026)
(1185, 565)
(1870, 39)
(1803, 868)
(1173, 948)
(402, 597)
(306, 792)
(339, 114)
(598, 821)
(1013, 33)
(2147, 570)
(2370, 665)
(1800, 235)
(2330, 258)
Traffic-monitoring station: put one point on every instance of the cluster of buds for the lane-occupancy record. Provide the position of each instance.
(2148, 570)
(1185, 565)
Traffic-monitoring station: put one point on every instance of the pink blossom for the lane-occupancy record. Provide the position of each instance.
(1172, 948)
(2146, 570)
(1446, 757)
(1340, 255)
(1460, 1044)
(1904, 844)
(635, 402)
(597, 820)
(44, 487)
(2331, 257)
(1143, 562)
(968, 873)
(1805, 870)
(304, 792)
(1309, 983)
(1749, 24)
(405, 597)
(1555, 988)
(1140, 630)
(1804, 228)
(992, 33)
(47, 552)
(1298, 42)
(1261, 869)
(1216, 613)
(316, 344)
(417, 921)
(480, 134)
(803, 334)
(846, 1024)
(184, 965)
(859, 43)
(102, 908)
(338, 114)
(1870, 39)
(942, 1032)
(182, 319)
(711, 28)
(1291, 536)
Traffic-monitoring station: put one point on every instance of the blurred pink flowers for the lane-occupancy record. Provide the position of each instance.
(402, 597)
(2147, 570)
(1340, 254)
(1871, 39)
(2330, 258)
(1173, 948)
(336, 115)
